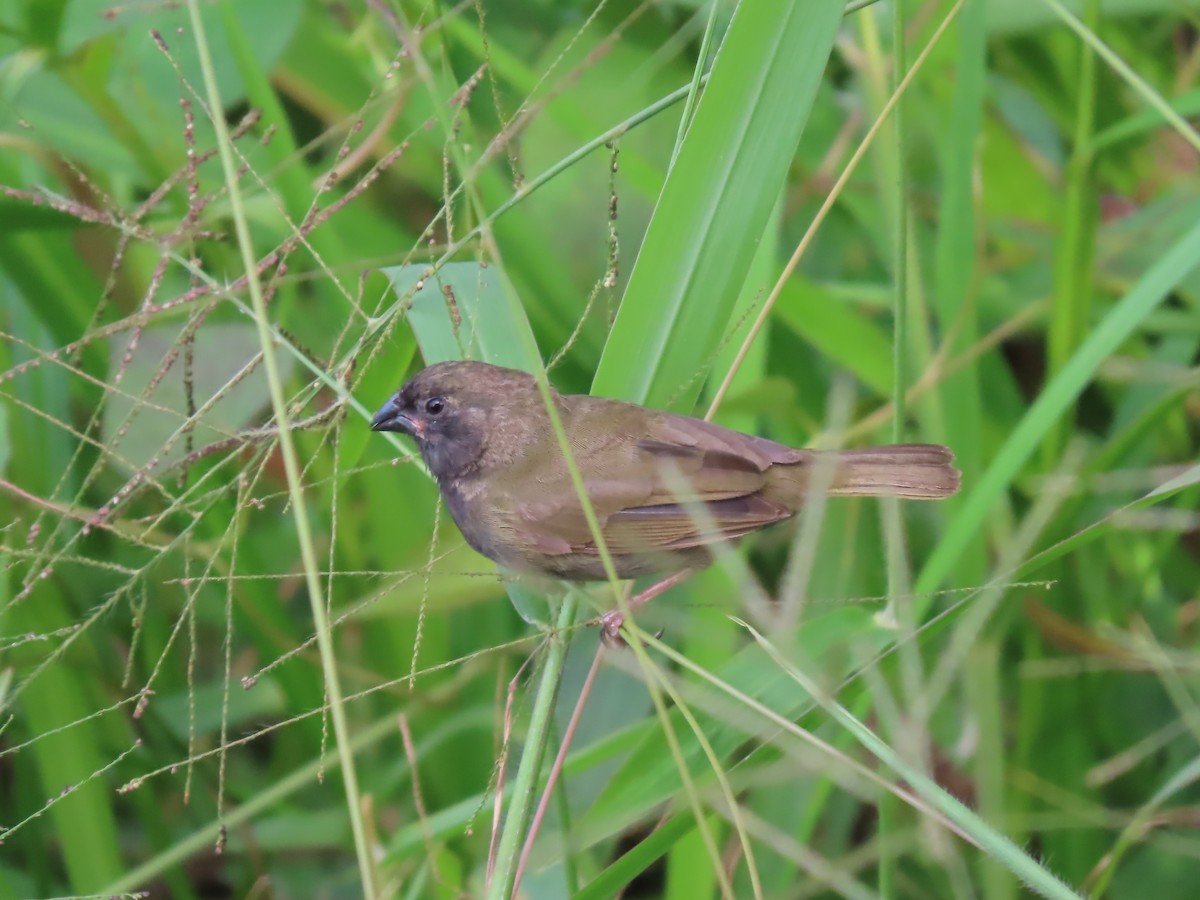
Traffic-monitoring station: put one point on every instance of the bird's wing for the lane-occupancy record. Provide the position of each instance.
(682, 483)
(675, 526)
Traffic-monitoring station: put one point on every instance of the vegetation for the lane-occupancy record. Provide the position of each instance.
(244, 650)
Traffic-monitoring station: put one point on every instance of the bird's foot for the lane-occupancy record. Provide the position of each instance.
(613, 620)
(610, 628)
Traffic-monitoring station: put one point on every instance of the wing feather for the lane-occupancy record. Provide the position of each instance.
(641, 486)
(671, 526)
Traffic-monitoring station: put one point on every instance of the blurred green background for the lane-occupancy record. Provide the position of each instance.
(1012, 262)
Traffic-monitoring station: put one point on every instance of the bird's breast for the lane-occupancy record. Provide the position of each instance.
(474, 515)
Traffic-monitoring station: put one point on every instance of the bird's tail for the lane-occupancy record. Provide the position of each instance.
(912, 471)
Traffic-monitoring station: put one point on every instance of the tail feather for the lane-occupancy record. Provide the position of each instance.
(912, 471)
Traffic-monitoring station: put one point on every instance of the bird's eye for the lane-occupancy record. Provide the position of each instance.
(434, 405)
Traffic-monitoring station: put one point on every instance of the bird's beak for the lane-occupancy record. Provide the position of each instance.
(391, 419)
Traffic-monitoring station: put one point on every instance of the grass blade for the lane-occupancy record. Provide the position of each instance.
(717, 201)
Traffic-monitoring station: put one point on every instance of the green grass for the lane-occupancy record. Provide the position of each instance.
(220, 633)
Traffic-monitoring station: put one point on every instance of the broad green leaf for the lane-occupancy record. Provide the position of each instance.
(462, 312)
(717, 201)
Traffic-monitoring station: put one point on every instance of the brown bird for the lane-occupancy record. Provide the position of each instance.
(486, 436)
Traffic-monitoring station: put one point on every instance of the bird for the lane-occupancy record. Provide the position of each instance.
(665, 488)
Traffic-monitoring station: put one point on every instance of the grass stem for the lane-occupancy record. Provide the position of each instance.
(287, 449)
(536, 738)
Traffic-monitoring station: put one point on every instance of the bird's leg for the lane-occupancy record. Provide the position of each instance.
(611, 621)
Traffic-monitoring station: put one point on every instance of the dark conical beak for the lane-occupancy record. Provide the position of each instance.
(391, 419)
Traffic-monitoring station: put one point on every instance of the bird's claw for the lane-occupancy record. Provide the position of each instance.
(610, 629)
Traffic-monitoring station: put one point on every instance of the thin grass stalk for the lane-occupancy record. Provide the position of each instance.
(981, 680)
(653, 677)
(899, 230)
(1076, 244)
(693, 95)
(735, 815)
(889, 806)
(291, 462)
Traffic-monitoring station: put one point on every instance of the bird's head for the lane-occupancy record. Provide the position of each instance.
(454, 409)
